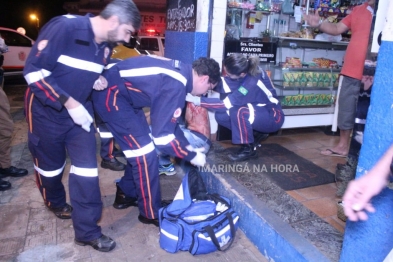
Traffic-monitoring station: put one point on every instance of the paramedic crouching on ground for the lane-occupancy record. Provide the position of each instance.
(251, 109)
(64, 63)
(162, 85)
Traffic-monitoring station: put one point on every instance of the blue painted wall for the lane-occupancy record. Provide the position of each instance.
(186, 46)
(372, 240)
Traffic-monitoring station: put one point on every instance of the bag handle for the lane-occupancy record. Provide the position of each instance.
(210, 232)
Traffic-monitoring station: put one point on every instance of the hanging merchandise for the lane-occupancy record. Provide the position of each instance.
(250, 20)
(232, 30)
(287, 8)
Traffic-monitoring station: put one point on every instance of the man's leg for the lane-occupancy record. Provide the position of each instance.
(348, 98)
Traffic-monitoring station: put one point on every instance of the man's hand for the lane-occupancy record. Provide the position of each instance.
(196, 100)
(79, 114)
(358, 195)
(100, 83)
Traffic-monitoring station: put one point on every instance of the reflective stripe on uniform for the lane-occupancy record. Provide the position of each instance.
(84, 171)
(251, 118)
(225, 85)
(52, 173)
(164, 140)
(104, 134)
(227, 102)
(37, 76)
(267, 92)
(146, 71)
(140, 151)
(80, 64)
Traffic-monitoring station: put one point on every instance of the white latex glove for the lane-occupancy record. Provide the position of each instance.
(200, 158)
(196, 100)
(81, 117)
(100, 83)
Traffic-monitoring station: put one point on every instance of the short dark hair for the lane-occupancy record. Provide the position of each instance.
(207, 66)
(125, 10)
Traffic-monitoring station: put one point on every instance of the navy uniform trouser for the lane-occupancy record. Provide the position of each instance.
(242, 120)
(106, 138)
(49, 143)
(131, 131)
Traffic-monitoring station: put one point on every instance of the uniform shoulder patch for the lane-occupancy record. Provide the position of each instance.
(177, 113)
(243, 90)
(42, 44)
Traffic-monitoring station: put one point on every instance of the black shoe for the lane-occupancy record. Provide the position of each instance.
(122, 201)
(246, 151)
(62, 212)
(145, 220)
(117, 152)
(103, 243)
(4, 185)
(113, 164)
(13, 171)
(259, 137)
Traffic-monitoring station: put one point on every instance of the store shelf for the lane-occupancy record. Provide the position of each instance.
(292, 42)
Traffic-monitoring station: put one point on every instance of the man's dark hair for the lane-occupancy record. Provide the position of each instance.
(209, 67)
(125, 10)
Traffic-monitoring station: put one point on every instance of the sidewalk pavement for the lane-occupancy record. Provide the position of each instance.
(29, 232)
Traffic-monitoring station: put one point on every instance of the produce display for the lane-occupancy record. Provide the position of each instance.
(308, 100)
(310, 79)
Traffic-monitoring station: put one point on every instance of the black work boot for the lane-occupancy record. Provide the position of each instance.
(4, 185)
(63, 212)
(103, 243)
(246, 151)
(259, 137)
(113, 164)
(122, 201)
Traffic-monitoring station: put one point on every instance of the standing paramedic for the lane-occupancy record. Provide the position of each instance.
(63, 66)
(162, 85)
(359, 22)
(251, 109)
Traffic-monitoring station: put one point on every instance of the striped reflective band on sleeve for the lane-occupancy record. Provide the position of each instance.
(105, 134)
(84, 171)
(227, 102)
(153, 71)
(37, 76)
(360, 121)
(267, 92)
(140, 151)
(225, 85)
(164, 140)
(251, 118)
(49, 173)
(80, 64)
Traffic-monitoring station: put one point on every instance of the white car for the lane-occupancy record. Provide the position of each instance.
(155, 45)
(19, 47)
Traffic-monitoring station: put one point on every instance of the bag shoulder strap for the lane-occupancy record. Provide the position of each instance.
(213, 237)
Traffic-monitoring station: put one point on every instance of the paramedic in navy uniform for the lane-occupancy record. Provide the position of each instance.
(162, 85)
(251, 104)
(64, 64)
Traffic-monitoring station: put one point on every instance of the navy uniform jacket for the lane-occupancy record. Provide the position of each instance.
(256, 90)
(64, 61)
(162, 85)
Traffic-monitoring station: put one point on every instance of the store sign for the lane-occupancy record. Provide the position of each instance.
(181, 15)
(266, 51)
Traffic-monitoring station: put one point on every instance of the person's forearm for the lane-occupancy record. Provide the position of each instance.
(329, 28)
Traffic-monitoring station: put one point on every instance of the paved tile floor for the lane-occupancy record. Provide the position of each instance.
(29, 232)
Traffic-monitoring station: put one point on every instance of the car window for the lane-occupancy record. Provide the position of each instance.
(15, 39)
(149, 44)
(163, 42)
